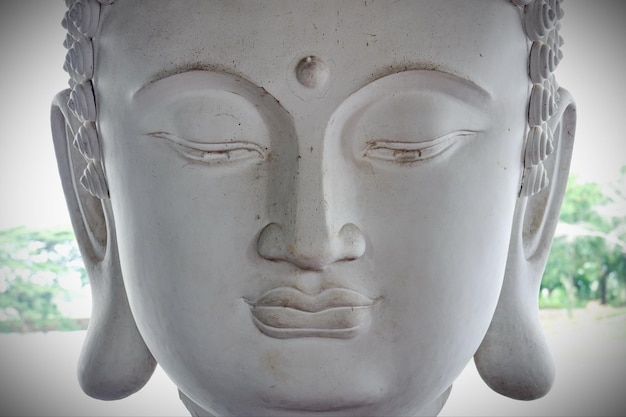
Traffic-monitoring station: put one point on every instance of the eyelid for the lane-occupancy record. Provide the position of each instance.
(407, 152)
(213, 153)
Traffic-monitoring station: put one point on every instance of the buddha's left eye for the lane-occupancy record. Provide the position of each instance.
(214, 153)
(406, 152)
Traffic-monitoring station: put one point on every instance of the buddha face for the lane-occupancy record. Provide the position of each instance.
(313, 202)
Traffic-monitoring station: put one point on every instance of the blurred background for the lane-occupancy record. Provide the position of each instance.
(44, 292)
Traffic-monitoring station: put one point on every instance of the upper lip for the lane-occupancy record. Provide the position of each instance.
(293, 298)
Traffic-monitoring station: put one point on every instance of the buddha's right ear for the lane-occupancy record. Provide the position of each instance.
(115, 361)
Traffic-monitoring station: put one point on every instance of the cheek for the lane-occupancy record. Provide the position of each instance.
(439, 233)
(438, 237)
(179, 224)
(186, 236)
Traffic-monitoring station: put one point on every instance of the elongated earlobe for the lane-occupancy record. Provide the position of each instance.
(115, 361)
(513, 358)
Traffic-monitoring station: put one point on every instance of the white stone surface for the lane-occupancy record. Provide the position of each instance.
(318, 223)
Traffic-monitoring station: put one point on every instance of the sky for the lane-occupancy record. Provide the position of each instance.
(31, 74)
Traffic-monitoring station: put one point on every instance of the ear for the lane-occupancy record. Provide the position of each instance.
(513, 358)
(115, 361)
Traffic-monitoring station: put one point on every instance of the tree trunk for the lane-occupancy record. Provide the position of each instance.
(603, 279)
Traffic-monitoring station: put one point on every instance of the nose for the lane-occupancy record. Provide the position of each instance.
(314, 248)
(310, 228)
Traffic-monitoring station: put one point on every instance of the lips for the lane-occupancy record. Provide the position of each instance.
(286, 312)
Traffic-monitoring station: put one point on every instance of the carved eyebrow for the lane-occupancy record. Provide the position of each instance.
(195, 80)
(436, 81)
(408, 82)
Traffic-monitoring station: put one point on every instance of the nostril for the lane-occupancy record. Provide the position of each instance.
(270, 244)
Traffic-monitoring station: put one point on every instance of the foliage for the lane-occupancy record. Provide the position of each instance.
(40, 271)
(588, 256)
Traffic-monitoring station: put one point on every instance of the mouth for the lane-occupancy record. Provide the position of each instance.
(286, 312)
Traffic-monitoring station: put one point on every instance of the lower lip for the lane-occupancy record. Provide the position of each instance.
(285, 322)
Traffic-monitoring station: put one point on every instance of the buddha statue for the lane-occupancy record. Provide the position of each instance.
(314, 207)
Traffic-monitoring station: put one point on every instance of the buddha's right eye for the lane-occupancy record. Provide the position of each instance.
(214, 153)
(208, 117)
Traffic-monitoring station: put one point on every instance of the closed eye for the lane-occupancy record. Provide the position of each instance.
(214, 153)
(409, 152)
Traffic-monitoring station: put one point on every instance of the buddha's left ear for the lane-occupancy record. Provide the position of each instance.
(115, 361)
(513, 358)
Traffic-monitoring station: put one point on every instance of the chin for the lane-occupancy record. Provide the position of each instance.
(339, 404)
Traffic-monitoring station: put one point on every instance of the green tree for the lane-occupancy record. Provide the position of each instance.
(37, 270)
(588, 256)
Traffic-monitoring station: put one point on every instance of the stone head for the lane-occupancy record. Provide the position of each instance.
(314, 207)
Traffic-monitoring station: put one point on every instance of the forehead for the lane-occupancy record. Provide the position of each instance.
(262, 41)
